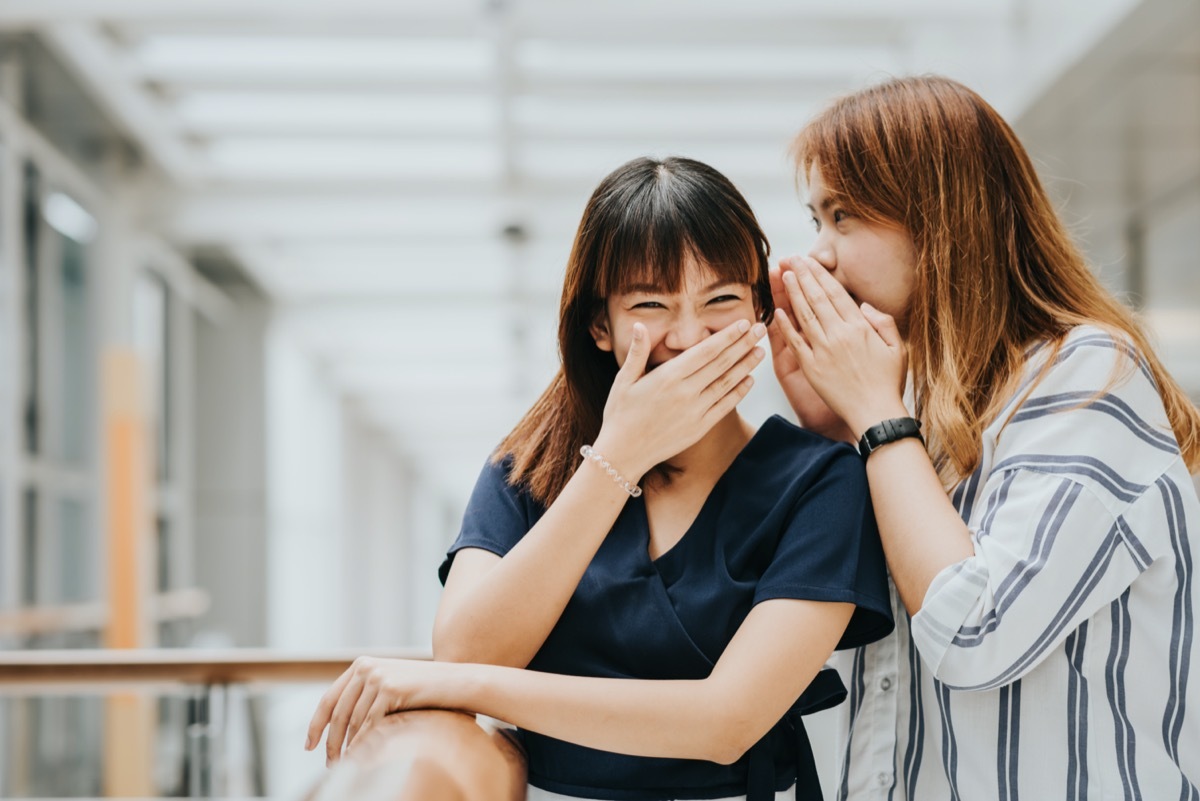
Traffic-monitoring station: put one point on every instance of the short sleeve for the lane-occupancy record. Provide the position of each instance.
(830, 549)
(496, 518)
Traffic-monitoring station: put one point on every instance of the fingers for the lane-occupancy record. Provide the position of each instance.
(360, 715)
(884, 325)
(805, 316)
(377, 711)
(733, 377)
(340, 719)
(836, 294)
(726, 403)
(794, 339)
(718, 352)
(778, 293)
(635, 360)
(325, 707)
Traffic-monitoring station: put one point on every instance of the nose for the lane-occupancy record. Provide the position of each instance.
(686, 329)
(823, 251)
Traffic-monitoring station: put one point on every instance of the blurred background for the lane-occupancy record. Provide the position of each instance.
(276, 275)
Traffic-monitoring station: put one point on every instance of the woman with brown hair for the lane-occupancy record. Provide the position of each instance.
(1033, 493)
(654, 616)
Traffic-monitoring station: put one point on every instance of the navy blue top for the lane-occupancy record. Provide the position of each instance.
(790, 518)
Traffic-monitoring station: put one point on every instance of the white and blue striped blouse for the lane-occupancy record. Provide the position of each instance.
(1060, 661)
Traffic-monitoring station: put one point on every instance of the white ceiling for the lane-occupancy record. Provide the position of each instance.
(362, 159)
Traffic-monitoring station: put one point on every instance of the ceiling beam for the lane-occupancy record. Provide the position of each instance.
(96, 64)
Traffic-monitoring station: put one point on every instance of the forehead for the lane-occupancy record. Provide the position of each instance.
(817, 193)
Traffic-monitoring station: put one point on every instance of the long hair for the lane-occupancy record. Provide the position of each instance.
(996, 270)
(642, 224)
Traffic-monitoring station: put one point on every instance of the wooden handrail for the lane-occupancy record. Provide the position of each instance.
(102, 670)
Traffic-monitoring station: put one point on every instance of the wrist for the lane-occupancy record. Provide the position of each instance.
(860, 421)
(623, 458)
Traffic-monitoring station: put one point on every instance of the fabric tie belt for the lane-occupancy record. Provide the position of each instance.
(823, 692)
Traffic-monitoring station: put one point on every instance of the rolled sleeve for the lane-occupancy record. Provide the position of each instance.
(990, 619)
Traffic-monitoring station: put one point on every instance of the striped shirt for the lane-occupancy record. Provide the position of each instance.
(1057, 661)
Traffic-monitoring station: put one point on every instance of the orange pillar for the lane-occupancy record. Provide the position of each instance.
(129, 725)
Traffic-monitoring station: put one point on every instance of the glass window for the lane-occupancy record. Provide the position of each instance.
(30, 585)
(75, 400)
(31, 317)
(79, 558)
(151, 327)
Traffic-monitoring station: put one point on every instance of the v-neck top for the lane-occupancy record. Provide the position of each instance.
(790, 518)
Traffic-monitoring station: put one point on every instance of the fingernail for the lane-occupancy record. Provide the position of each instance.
(743, 325)
(760, 330)
(308, 744)
(759, 353)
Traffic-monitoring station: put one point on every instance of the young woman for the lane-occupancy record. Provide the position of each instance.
(649, 613)
(1042, 533)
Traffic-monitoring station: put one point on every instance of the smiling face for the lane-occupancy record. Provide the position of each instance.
(675, 321)
(876, 263)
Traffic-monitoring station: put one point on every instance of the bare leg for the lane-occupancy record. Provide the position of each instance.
(427, 755)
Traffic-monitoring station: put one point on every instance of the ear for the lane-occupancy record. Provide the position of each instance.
(599, 329)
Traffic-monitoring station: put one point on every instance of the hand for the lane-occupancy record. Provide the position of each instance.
(369, 690)
(650, 417)
(813, 413)
(853, 357)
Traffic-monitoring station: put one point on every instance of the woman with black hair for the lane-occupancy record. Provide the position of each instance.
(644, 584)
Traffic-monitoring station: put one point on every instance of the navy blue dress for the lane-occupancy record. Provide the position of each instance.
(790, 518)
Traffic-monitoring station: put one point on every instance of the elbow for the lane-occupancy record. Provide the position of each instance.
(451, 644)
(448, 646)
(730, 739)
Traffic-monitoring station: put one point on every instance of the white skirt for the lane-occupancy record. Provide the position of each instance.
(537, 794)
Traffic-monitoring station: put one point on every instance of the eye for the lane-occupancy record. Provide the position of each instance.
(648, 304)
(724, 299)
(839, 216)
(816, 223)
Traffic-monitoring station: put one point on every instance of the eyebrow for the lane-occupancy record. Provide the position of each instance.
(825, 204)
(654, 289)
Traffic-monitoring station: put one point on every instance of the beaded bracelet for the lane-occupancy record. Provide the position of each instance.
(588, 452)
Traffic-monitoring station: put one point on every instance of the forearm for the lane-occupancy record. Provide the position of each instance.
(922, 533)
(680, 719)
(505, 615)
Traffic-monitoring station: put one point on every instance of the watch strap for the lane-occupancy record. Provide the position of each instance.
(888, 431)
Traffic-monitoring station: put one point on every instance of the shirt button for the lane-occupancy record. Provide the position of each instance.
(884, 779)
(885, 683)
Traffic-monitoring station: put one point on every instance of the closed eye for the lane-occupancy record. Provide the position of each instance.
(724, 299)
(649, 304)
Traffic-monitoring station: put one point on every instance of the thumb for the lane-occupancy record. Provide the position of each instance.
(635, 359)
(883, 324)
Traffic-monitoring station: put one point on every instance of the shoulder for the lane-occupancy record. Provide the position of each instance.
(781, 446)
(1088, 407)
(495, 486)
(1086, 358)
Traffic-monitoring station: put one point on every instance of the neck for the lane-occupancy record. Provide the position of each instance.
(715, 450)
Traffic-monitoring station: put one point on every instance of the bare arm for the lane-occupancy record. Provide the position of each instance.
(760, 675)
(856, 359)
(500, 611)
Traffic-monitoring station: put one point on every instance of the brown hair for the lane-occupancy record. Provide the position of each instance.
(641, 225)
(995, 268)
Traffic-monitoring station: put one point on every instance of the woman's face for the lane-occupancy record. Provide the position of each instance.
(704, 305)
(875, 263)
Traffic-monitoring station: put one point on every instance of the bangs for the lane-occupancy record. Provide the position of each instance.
(853, 144)
(661, 226)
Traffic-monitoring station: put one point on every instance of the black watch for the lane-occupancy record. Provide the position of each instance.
(877, 436)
